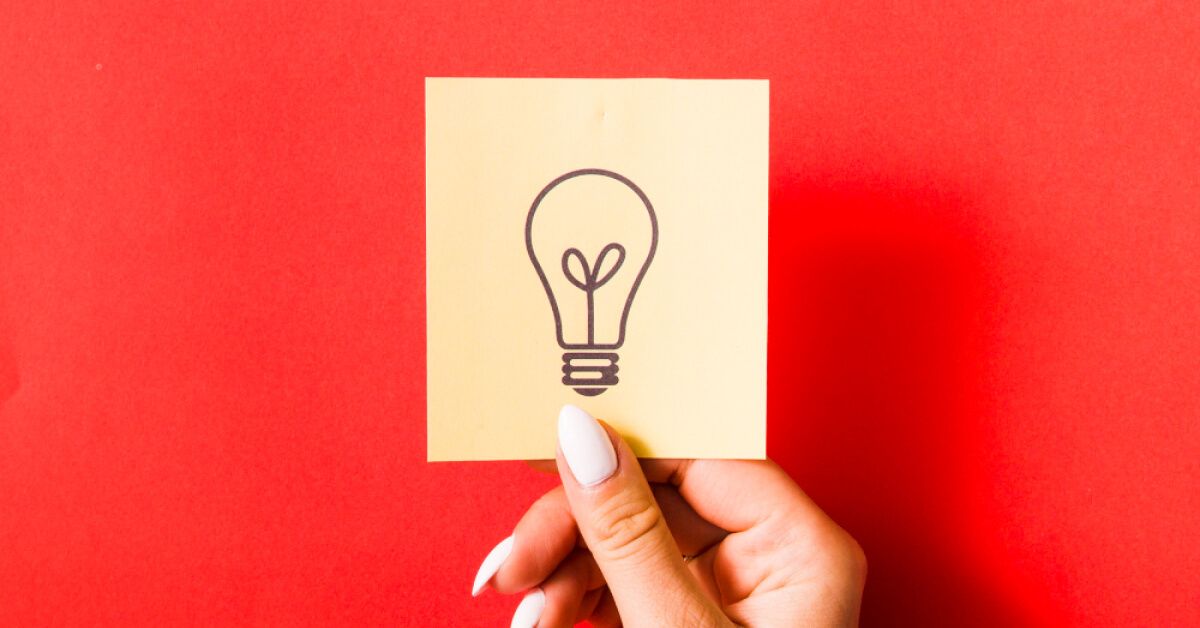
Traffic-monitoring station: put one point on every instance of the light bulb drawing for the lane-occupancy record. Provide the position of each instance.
(601, 216)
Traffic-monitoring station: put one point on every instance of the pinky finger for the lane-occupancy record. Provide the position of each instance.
(588, 605)
(563, 592)
(605, 615)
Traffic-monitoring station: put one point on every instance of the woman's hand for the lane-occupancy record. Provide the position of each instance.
(673, 543)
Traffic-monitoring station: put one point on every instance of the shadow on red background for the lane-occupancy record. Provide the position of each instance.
(876, 305)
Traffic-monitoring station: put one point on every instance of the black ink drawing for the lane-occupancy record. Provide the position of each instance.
(590, 367)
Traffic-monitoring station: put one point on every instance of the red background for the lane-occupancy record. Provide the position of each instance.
(984, 296)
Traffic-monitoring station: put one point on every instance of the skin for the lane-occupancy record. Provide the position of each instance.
(613, 553)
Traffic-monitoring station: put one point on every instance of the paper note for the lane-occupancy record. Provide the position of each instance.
(599, 242)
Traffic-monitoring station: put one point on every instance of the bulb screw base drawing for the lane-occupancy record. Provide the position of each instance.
(589, 373)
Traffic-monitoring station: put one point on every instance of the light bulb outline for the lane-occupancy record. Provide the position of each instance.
(637, 282)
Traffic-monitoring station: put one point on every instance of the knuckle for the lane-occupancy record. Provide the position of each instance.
(623, 526)
(850, 559)
(858, 560)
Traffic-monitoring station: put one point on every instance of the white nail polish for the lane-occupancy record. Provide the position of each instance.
(529, 611)
(585, 445)
(491, 565)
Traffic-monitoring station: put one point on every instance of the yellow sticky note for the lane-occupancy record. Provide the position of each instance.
(599, 242)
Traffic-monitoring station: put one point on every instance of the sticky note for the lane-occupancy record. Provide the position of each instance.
(598, 242)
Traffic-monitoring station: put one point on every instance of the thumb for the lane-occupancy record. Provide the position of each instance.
(624, 528)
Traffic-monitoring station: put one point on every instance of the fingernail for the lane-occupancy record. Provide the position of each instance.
(585, 445)
(529, 611)
(491, 565)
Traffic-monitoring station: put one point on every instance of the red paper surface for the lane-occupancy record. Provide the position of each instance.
(984, 295)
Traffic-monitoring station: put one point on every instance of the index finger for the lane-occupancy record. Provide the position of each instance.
(735, 494)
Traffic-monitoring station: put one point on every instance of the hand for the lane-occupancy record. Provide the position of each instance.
(673, 543)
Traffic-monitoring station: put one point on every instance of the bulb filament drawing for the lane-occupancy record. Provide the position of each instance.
(591, 300)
